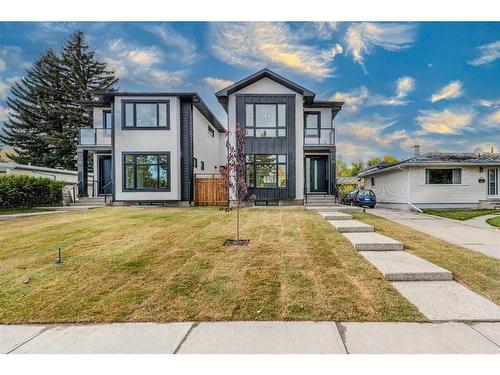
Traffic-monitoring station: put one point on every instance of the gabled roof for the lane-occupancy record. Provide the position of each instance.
(222, 95)
(437, 158)
(106, 97)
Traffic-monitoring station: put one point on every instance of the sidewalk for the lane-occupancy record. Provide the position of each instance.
(484, 240)
(252, 338)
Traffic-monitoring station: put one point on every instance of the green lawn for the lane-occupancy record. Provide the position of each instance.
(477, 271)
(494, 221)
(132, 264)
(12, 211)
(461, 214)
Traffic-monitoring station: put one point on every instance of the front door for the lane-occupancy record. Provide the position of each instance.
(318, 175)
(105, 186)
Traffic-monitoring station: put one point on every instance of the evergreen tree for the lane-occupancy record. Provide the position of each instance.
(35, 113)
(45, 114)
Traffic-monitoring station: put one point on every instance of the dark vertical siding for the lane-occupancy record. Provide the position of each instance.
(274, 145)
(186, 117)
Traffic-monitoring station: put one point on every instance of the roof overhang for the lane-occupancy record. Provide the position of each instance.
(105, 98)
(223, 95)
(334, 105)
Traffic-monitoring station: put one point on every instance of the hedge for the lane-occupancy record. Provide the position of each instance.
(22, 191)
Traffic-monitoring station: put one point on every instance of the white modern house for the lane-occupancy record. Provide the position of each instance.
(149, 147)
(290, 146)
(437, 180)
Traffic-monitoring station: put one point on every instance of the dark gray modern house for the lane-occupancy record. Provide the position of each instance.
(290, 147)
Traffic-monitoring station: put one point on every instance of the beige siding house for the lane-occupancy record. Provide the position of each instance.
(437, 180)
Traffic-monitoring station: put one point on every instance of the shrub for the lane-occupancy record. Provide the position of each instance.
(21, 191)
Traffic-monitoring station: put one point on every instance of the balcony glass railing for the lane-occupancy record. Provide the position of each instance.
(321, 136)
(95, 137)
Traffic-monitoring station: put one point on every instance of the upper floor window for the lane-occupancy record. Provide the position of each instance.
(146, 114)
(443, 176)
(312, 125)
(265, 120)
(107, 119)
(211, 131)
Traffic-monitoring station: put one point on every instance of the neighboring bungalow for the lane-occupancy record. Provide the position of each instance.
(437, 180)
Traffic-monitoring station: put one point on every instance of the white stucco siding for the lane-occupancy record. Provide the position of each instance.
(205, 147)
(269, 87)
(148, 141)
(469, 191)
(98, 116)
(390, 187)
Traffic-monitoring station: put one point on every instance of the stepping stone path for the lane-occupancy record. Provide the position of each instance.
(429, 287)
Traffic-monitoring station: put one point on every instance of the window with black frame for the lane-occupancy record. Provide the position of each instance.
(145, 114)
(107, 120)
(265, 120)
(447, 176)
(266, 171)
(312, 125)
(146, 171)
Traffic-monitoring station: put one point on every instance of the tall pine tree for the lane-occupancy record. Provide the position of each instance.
(35, 112)
(45, 115)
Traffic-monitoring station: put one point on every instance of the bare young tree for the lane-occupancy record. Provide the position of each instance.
(232, 176)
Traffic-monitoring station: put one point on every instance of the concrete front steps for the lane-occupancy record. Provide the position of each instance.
(350, 226)
(429, 287)
(90, 202)
(403, 266)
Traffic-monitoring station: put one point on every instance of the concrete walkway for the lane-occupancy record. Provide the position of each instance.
(480, 222)
(484, 240)
(19, 216)
(251, 338)
(429, 287)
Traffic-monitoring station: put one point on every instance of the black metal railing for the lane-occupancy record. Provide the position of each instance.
(319, 136)
(103, 191)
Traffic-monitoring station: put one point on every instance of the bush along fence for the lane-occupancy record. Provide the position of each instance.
(21, 191)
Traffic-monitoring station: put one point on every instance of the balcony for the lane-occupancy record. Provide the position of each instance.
(319, 136)
(94, 137)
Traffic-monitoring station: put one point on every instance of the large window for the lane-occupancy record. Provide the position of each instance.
(145, 114)
(443, 176)
(265, 120)
(266, 171)
(312, 125)
(146, 171)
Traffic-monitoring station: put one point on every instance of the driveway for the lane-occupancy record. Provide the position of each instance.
(484, 240)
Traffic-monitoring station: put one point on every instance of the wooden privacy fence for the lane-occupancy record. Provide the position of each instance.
(207, 191)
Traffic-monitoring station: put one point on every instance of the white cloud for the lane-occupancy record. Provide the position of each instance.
(259, 44)
(139, 64)
(361, 96)
(492, 120)
(404, 86)
(317, 30)
(181, 48)
(452, 90)
(446, 121)
(138, 55)
(362, 38)
(217, 84)
(4, 112)
(5, 87)
(488, 103)
(11, 56)
(488, 53)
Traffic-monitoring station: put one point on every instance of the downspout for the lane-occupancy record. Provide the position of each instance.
(408, 188)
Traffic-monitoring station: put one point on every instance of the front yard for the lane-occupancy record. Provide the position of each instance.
(461, 214)
(132, 264)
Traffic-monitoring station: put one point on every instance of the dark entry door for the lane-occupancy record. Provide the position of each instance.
(318, 181)
(105, 186)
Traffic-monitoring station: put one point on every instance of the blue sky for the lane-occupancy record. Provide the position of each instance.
(435, 84)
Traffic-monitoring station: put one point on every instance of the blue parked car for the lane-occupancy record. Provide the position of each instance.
(361, 197)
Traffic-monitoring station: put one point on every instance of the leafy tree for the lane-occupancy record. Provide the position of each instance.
(390, 159)
(373, 161)
(342, 168)
(232, 177)
(45, 115)
(356, 167)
